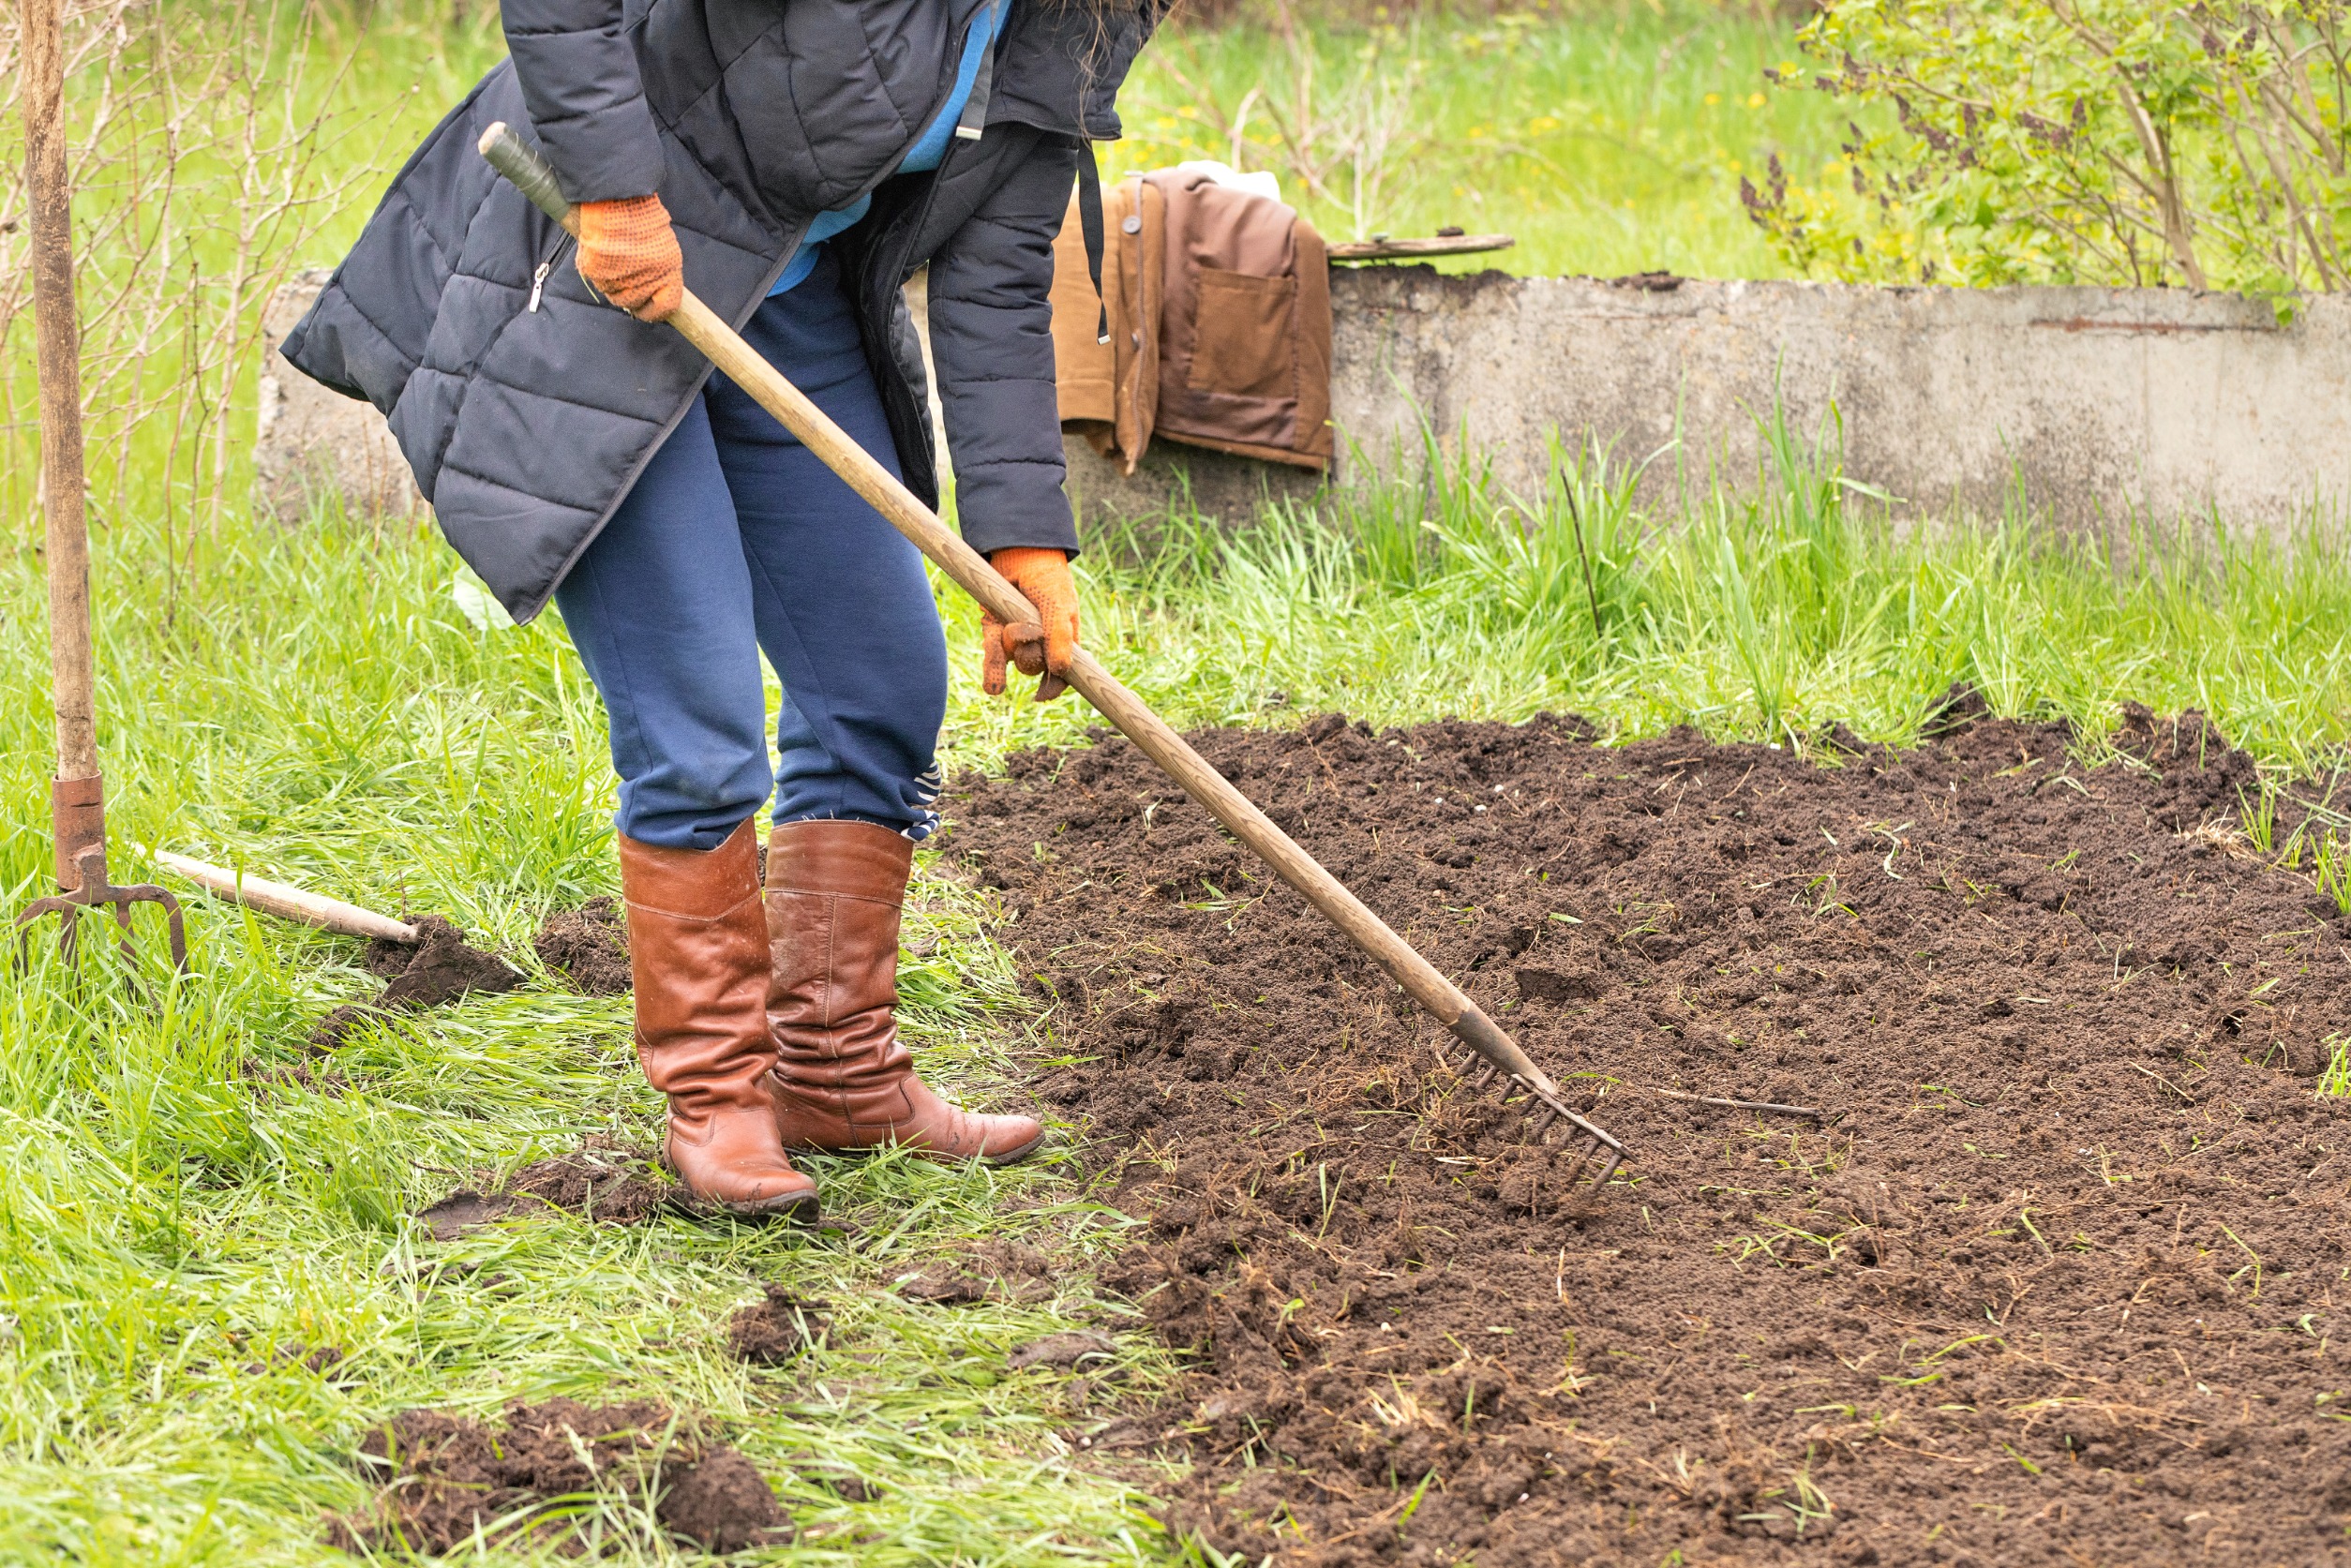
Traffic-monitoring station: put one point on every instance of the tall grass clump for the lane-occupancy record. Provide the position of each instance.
(1772, 606)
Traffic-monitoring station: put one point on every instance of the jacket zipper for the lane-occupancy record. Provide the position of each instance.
(539, 278)
(983, 17)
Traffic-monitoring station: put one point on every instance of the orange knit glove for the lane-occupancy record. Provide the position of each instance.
(1044, 648)
(628, 255)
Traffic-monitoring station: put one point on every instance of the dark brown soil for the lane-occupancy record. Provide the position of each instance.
(447, 1476)
(444, 968)
(602, 1181)
(441, 968)
(771, 1331)
(588, 946)
(2052, 1283)
(723, 1504)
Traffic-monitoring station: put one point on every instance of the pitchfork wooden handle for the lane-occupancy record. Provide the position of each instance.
(1421, 981)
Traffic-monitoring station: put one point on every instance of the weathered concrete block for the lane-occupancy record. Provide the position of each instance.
(1216, 484)
(312, 444)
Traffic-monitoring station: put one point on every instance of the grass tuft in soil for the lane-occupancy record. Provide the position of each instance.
(604, 1181)
(777, 1328)
(2049, 1280)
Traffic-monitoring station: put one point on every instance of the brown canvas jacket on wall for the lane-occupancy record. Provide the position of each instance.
(1218, 302)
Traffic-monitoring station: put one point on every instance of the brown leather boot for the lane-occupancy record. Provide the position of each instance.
(844, 1080)
(697, 954)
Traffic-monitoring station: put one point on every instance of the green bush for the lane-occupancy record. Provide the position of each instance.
(2077, 142)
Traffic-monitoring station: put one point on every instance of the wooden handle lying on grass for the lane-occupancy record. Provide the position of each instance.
(287, 902)
(1443, 999)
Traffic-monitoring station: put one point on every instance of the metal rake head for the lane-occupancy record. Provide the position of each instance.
(1550, 1114)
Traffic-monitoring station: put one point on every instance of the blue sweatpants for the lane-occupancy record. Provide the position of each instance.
(738, 539)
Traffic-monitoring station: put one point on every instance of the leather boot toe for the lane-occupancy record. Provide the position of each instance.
(948, 1132)
(731, 1162)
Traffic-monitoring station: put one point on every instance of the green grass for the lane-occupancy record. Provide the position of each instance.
(1776, 607)
(315, 705)
(1607, 138)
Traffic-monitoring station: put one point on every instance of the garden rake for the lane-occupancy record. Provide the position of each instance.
(1519, 1080)
(78, 793)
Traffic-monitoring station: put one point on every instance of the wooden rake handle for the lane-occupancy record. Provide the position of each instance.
(1443, 999)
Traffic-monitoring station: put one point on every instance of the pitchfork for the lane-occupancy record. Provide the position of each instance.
(77, 794)
(1505, 1062)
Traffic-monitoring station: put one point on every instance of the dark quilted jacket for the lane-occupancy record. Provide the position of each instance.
(528, 408)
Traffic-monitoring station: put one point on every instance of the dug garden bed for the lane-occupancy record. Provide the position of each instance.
(2049, 1280)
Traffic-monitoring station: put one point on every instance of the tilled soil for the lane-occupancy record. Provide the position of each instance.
(2051, 1282)
(449, 1478)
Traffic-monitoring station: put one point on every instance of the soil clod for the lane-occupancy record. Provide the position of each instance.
(447, 1477)
(723, 1504)
(439, 969)
(943, 1284)
(465, 1210)
(2050, 1283)
(446, 967)
(1062, 1352)
(601, 1181)
(776, 1329)
(588, 946)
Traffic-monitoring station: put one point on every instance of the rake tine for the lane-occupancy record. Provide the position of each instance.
(1597, 1141)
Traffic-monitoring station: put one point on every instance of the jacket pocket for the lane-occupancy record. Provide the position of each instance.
(1242, 335)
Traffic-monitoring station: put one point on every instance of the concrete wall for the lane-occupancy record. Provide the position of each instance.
(2102, 403)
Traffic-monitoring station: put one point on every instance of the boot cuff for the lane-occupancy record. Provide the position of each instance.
(698, 884)
(855, 859)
